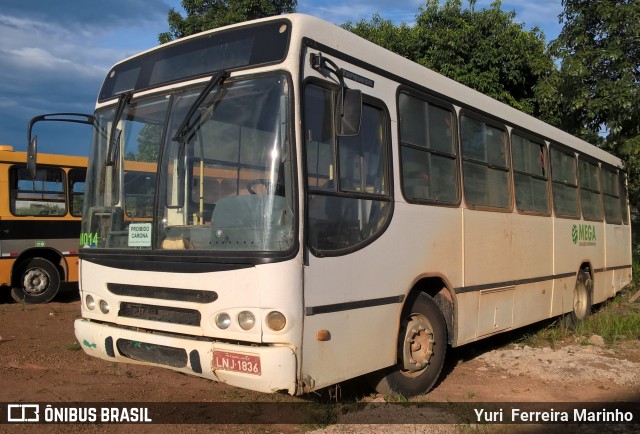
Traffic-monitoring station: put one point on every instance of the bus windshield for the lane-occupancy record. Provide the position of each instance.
(225, 184)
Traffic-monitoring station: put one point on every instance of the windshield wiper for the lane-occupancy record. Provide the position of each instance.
(123, 101)
(181, 134)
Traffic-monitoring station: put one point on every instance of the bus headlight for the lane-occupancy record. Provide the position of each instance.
(276, 320)
(104, 307)
(246, 320)
(223, 321)
(90, 302)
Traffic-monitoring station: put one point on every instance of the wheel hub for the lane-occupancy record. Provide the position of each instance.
(418, 344)
(35, 281)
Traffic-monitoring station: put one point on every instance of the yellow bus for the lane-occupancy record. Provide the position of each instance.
(39, 223)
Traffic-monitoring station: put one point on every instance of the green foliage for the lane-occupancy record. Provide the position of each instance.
(149, 143)
(400, 39)
(614, 325)
(616, 320)
(74, 346)
(208, 14)
(485, 49)
(598, 85)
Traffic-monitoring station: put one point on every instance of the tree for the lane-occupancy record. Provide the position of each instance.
(598, 85)
(149, 143)
(208, 14)
(484, 49)
(400, 39)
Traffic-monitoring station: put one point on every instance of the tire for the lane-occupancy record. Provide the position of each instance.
(39, 282)
(421, 351)
(582, 300)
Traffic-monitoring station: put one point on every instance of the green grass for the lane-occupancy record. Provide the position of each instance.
(74, 346)
(615, 320)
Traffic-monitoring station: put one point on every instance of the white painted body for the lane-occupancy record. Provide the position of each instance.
(503, 270)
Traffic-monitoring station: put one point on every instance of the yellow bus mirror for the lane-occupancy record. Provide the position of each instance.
(32, 152)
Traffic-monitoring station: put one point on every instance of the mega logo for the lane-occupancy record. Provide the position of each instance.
(584, 235)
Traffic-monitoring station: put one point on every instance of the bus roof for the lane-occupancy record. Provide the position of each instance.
(396, 66)
(384, 62)
(8, 155)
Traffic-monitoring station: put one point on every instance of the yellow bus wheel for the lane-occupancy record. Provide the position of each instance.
(39, 282)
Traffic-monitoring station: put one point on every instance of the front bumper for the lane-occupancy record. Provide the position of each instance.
(195, 357)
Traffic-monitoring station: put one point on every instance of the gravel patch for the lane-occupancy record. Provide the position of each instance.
(573, 363)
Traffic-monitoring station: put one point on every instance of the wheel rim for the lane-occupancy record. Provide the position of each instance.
(35, 281)
(580, 301)
(417, 345)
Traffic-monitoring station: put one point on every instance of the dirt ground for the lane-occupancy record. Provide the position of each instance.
(40, 361)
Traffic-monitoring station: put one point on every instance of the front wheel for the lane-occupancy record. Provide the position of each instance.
(39, 282)
(421, 350)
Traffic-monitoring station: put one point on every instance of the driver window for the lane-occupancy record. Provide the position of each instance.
(347, 177)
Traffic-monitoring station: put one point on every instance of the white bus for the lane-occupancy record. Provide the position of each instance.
(322, 209)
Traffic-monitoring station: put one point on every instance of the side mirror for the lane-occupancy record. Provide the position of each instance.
(349, 112)
(32, 152)
(32, 144)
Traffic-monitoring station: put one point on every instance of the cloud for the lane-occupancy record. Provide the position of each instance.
(88, 14)
(54, 55)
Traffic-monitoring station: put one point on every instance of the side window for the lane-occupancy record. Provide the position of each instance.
(590, 192)
(564, 183)
(76, 191)
(530, 174)
(624, 197)
(427, 151)
(43, 195)
(484, 164)
(349, 199)
(610, 188)
(320, 141)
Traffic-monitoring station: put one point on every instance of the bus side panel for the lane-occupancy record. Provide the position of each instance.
(618, 242)
(562, 295)
(575, 242)
(5, 270)
(467, 308)
(504, 250)
(602, 286)
(505, 247)
(62, 246)
(359, 342)
(487, 247)
(72, 268)
(4, 188)
(532, 258)
(533, 302)
(420, 240)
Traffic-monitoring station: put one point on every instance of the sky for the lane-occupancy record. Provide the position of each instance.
(54, 54)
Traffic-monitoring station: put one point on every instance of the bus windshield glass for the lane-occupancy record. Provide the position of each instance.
(225, 185)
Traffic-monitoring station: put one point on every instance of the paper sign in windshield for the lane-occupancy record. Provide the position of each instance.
(140, 235)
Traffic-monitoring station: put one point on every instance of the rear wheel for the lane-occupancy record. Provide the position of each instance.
(39, 282)
(582, 301)
(421, 350)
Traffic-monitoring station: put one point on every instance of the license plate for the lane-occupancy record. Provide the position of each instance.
(237, 362)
